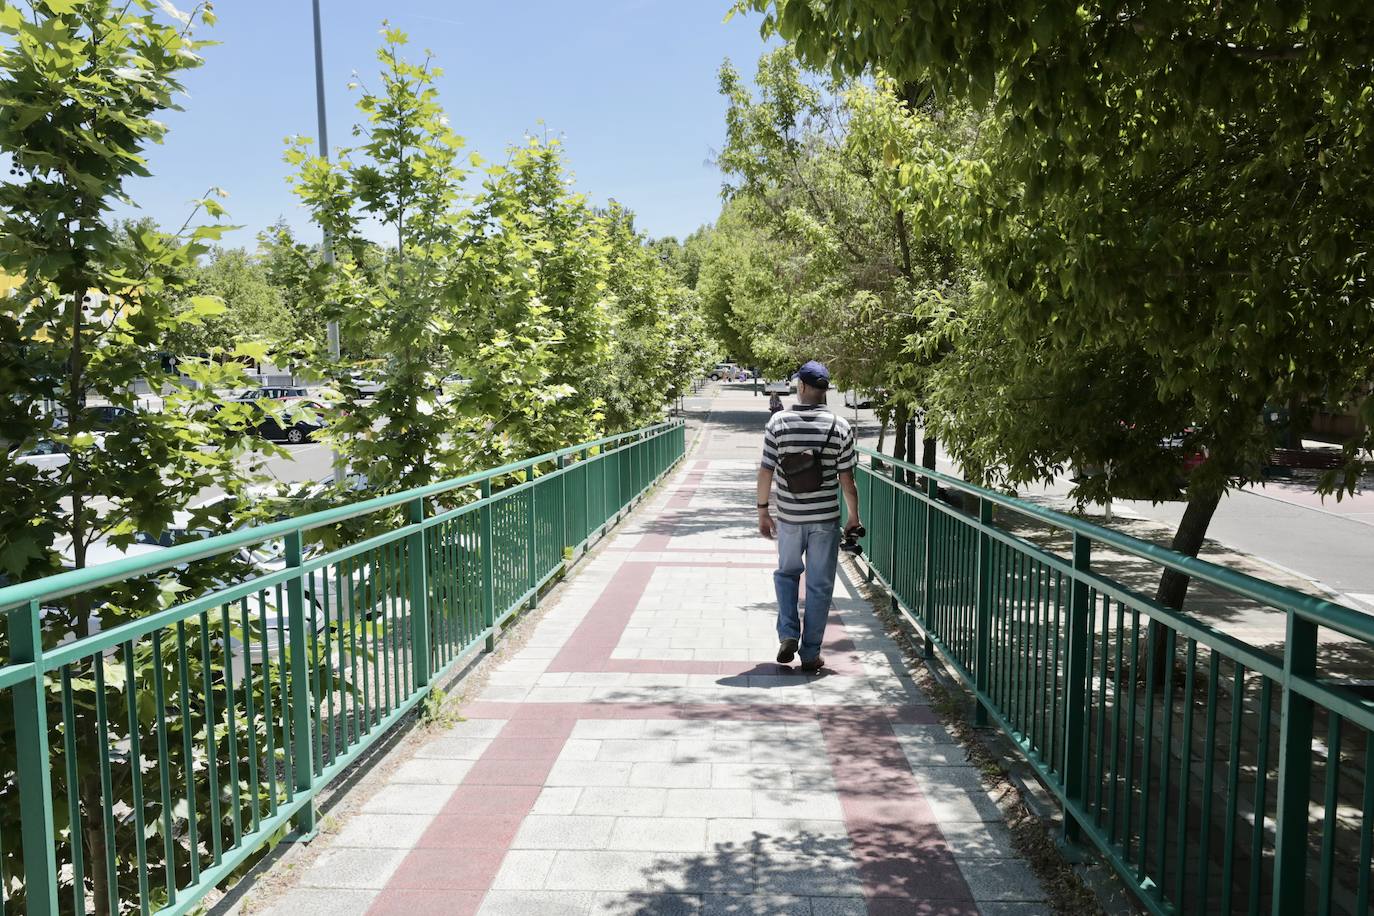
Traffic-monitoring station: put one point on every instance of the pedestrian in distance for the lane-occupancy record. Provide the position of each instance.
(774, 404)
(808, 460)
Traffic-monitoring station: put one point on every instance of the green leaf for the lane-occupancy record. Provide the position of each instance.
(205, 306)
(255, 350)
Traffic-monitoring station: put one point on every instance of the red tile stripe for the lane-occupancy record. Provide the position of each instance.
(897, 843)
(452, 866)
(902, 858)
(674, 509)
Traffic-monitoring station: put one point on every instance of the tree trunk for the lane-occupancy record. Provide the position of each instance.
(928, 452)
(899, 432)
(1173, 585)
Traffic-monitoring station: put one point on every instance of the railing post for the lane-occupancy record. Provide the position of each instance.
(587, 493)
(891, 531)
(563, 536)
(1076, 686)
(928, 563)
(531, 552)
(982, 634)
(300, 640)
(419, 594)
(33, 765)
(1295, 769)
(488, 567)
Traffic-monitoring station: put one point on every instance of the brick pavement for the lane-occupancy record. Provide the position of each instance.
(643, 754)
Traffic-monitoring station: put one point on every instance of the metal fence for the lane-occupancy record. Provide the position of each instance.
(1215, 776)
(149, 760)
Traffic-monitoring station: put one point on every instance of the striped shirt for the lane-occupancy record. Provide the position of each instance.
(802, 429)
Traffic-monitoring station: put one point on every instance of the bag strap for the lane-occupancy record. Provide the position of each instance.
(833, 420)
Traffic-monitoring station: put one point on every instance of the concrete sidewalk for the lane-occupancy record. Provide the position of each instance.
(642, 753)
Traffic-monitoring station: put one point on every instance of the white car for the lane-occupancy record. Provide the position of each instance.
(366, 385)
(724, 372)
(48, 455)
(858, 399)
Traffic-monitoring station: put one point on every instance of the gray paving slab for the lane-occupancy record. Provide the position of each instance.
(659, 834)
(957, 794)
(609, 870)
(432, 771)
(557, 800)
(524, 869)
(1000, 880)
(755, 905)
(346, 867)
(406, 798)
(536, 903)
(314, 901)
(839, 906)
(978, 839)
(709, 802)
(545, 831)
(641, 801)
(382, 831)
(646, 905)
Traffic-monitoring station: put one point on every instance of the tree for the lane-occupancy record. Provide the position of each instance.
(90, 316)
(642, 372)
(297, 272)
(530, 293)
(744, 290)
(405, 178)
(824, 160)
(253, 308)
(1180, 178)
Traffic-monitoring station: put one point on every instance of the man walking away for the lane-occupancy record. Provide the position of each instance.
(809, 452)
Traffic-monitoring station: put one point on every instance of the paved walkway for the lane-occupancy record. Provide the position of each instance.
(642, 754)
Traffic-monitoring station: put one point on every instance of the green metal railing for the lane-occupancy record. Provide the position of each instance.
(153, 758)
(1215, 776)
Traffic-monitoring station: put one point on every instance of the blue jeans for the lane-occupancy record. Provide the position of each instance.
(813, 549)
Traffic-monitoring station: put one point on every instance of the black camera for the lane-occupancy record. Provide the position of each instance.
(850, 544)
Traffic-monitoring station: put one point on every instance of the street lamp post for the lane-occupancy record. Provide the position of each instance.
(333, 326)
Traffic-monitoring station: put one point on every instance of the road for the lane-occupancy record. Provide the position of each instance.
(300, 463)
(1335, 550)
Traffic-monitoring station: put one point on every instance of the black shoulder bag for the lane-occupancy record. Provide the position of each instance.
(803, 470)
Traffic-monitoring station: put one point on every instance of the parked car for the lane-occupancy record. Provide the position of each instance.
(777, 386)
(1190, 456)
(48, 455)
(858, 399)
(299, 420)
(279, 393)
(102, 417)
(723, 372)
(366, 385)
(45, 454)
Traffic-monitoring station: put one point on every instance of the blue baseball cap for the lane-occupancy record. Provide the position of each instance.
(814, 374)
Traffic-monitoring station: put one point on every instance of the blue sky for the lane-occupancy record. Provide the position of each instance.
(629, 84)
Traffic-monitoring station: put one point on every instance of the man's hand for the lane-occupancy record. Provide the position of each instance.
(766, 526)
(854, 522)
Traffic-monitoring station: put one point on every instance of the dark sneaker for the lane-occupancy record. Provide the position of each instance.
(812, 665)
(787, 650)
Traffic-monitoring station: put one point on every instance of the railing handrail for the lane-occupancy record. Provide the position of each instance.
(1324, 613)
(72, 581)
